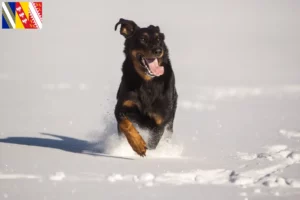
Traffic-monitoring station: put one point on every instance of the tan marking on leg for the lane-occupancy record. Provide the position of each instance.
(157, 118)
(133, 137)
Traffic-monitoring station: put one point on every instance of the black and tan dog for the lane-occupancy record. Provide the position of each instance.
(147, 95)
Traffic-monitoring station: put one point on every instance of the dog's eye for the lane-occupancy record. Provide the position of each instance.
(142, 39)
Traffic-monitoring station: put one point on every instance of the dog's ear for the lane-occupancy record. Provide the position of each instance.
(128, 27)
(157, 28)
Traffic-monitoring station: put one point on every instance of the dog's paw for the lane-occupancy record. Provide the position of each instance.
(138, 144)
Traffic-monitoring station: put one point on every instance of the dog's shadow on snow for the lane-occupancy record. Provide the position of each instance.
(74, 145)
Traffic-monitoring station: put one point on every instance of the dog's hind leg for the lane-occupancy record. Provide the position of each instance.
(155, 136)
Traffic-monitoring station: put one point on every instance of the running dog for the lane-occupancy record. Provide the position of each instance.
(147, 94)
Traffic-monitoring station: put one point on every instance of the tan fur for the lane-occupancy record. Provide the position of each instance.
(133, 137)
(124, 31)
(129, 103)
(157, 118)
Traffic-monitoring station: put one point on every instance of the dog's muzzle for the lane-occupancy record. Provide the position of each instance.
(151, 65)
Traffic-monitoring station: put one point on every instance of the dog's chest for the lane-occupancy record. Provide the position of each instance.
(150, 96)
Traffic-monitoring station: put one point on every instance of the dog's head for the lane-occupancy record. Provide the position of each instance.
(145, 46)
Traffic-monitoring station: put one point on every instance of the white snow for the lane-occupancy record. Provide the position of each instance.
(189, 105)
(83, 86)
(237, 127)
(246, 156)
(17, 176)
(146, 177)
(58, 176)
(290, 134)
(115, 177)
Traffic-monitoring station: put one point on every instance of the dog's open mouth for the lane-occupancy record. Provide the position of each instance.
(151, 65)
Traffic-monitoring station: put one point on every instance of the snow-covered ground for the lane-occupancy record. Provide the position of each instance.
(236, 132)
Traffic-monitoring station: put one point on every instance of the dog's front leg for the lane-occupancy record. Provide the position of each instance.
(133, 137)
(127, 128)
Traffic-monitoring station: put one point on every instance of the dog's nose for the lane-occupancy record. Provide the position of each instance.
(157, 51)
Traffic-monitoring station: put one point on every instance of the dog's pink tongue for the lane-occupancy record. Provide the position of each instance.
(155, 68)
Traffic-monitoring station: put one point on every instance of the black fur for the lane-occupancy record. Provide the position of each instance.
(157, 95)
